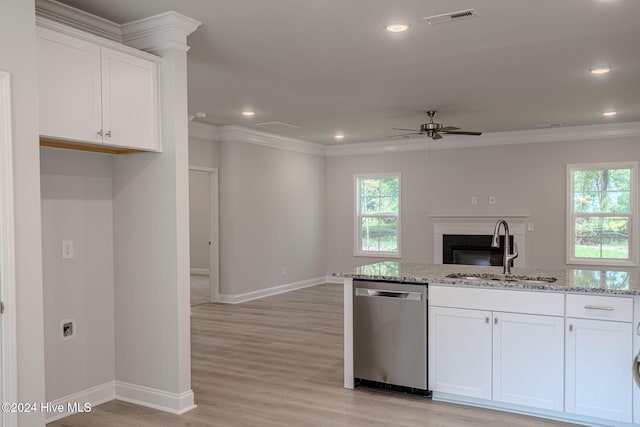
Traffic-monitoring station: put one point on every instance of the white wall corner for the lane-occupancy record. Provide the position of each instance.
(242, 134)
(174, 403)
(204, 131)
(166, 30)
(83, 401)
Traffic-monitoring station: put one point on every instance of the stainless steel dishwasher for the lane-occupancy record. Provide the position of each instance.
(390, 333)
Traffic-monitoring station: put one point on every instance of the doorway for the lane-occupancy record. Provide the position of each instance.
(8, 349)
(203, 231)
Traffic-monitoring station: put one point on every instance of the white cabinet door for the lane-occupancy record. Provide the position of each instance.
(130, 101)
(460, 351)
(528, 360)
(598, 369)
(69, 87)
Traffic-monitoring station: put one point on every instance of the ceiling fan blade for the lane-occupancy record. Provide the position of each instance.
(403, 135)
(436, 135)
(410, 130)
(447, 128)
(460, 132)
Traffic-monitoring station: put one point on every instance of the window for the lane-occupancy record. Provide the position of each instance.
(377, 215)
(602, 213)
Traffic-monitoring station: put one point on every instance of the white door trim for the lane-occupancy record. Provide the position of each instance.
(214, 252)
(8, 349)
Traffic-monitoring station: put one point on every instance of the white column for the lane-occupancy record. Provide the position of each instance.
(151, 215)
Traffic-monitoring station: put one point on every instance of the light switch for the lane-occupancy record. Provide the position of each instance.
(530, 226)
(67, 249)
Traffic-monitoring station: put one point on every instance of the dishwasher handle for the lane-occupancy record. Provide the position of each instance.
(365, 292)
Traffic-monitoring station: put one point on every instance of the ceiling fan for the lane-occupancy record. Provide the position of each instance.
(434, 130)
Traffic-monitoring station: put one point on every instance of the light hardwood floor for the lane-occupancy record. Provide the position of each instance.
(278, 362)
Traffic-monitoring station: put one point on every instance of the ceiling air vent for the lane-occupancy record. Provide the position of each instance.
(450, 17)
(275, 126)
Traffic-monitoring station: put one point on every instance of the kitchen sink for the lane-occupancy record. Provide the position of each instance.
(483, 277)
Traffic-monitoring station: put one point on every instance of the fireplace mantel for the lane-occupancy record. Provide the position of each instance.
(478, 225)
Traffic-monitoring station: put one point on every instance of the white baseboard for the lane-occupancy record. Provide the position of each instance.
(200, 271)
(156, 399)
(274, 290)
(93, 396)
(139, 395)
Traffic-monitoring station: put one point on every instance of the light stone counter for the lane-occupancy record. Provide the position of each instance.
(602, 281)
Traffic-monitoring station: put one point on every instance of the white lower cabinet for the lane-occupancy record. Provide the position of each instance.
(599, 380)
(568, 353)
(528, 360)
(460, 351)
(505, 357)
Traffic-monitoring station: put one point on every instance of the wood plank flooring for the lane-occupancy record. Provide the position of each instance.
(278, 362)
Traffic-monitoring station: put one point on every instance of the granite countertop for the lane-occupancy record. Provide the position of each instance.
(602, 281)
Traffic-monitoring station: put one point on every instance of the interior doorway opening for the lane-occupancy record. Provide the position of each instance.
(204, 234)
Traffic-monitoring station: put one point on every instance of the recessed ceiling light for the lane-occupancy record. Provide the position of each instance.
(600, 70)
(339, 136)
(248, 113)
(397, 27)
(609, 113)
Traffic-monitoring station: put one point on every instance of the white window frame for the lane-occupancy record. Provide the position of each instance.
(357, 222)
(632, 261)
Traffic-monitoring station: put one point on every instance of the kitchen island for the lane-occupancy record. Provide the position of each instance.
(525, 343)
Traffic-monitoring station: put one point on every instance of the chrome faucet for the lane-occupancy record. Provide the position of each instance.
(495, 243)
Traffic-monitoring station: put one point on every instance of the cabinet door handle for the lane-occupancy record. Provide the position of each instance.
(570, 328)
(99, 132)
(495, 321)
(599, 307)
(486, 320)
(108, 134)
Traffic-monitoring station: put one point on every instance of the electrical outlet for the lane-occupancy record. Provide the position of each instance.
(492, 200)
(474, 200)
(530, 226)
(67, 249)
(284, 271)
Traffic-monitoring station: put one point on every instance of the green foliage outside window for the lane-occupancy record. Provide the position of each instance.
(378, 211)
(602, 212)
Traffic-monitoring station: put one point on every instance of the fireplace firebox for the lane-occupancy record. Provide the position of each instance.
(472, 249)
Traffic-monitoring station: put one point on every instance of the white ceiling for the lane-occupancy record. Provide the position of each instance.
(328, 66)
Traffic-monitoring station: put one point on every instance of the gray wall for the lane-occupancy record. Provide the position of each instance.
(77, 204)
(271, 216)
(526, 179)
(18, 57)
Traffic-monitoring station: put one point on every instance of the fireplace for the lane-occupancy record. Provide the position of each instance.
(472, 249)
(481, 227)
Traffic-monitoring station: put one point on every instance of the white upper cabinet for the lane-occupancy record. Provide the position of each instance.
(129, 100)
(70, 87)
(94, 94)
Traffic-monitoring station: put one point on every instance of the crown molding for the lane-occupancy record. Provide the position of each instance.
(166, 30)
(241, 134)
(76, 18)
(576, 133)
